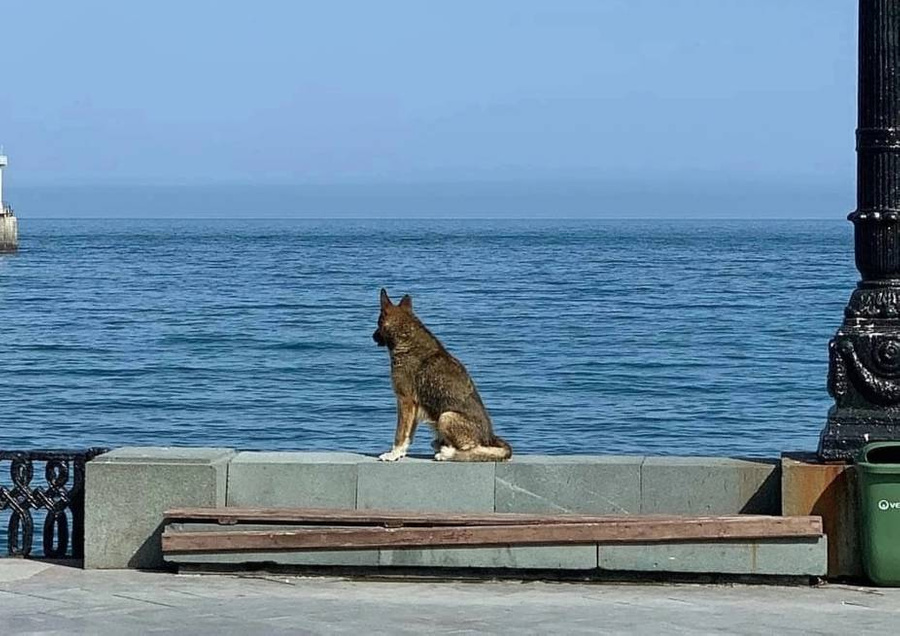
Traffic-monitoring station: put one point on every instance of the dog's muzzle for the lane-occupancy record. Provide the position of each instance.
(378, 338)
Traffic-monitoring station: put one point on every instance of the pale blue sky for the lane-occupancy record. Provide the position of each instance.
(295, 92)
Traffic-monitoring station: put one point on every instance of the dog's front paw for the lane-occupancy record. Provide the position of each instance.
(392, 455)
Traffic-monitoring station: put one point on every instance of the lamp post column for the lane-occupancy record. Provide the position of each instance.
(864, 355)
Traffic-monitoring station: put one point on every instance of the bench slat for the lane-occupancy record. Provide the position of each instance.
(329, 516)
(637, 529)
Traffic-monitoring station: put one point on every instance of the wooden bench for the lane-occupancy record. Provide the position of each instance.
(206, 530)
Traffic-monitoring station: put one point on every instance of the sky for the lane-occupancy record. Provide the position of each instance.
(700, 95)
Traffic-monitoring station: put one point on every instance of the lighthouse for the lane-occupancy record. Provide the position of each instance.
(9, 235)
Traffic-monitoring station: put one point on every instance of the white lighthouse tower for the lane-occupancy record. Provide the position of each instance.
(9, 231)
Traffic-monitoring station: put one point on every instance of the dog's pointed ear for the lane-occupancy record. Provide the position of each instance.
(385, 299)
(406, 302)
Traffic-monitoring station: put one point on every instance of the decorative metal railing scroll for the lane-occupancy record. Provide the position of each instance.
(58, 494)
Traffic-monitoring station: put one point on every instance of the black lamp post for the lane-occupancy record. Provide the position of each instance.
(864, 356)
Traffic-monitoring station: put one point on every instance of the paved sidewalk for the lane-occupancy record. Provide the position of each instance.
(38, 598)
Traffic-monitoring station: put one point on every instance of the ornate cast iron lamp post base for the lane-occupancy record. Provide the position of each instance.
(864, 357)
(864, 372)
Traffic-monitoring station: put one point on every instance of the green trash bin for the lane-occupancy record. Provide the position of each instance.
(878, 475)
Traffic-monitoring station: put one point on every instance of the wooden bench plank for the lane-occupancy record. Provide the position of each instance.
(635, 529)
(332, 517)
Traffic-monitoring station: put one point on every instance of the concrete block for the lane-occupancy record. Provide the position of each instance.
(809, 487)
(782, 557)
(9, 233)
(426, 486)
(710, 486)
(577, 557)
(278, 557)
(294, 480)
(253, 560)
(127, 490)
(163, 455)
(576, 483)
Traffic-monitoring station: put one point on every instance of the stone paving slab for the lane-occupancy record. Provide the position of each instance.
(63, 600)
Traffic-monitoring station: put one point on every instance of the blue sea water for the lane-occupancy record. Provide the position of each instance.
(639, 336)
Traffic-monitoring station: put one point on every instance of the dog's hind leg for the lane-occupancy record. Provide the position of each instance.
(454, 433)
(468, 441)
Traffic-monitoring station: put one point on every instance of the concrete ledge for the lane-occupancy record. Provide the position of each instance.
(582, 557)
(426, 485)
(294, 480)
(579, 557)
(253, 560)
(710, 485)
(127, 491)
(797, 557)
(576, 483)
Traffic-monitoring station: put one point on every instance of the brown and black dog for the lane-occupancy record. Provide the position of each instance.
(432, 386)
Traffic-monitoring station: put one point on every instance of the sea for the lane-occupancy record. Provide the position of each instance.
(663, 337)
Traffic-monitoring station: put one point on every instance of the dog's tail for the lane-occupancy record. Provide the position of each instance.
(497, 451)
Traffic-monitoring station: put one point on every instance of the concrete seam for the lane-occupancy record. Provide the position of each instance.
(356, 489)
(495, 489)
(228, 478)
(640, 489)
(494, 486)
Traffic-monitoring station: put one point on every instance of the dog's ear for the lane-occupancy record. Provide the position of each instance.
(406, 302)
(385, 299)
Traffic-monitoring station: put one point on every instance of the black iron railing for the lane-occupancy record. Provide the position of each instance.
(59, 495)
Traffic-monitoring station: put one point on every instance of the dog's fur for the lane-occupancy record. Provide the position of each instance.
(433, 386)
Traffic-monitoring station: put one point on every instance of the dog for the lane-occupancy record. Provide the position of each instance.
(434, 387)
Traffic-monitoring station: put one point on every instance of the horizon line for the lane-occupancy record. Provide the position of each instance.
(639, 217)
